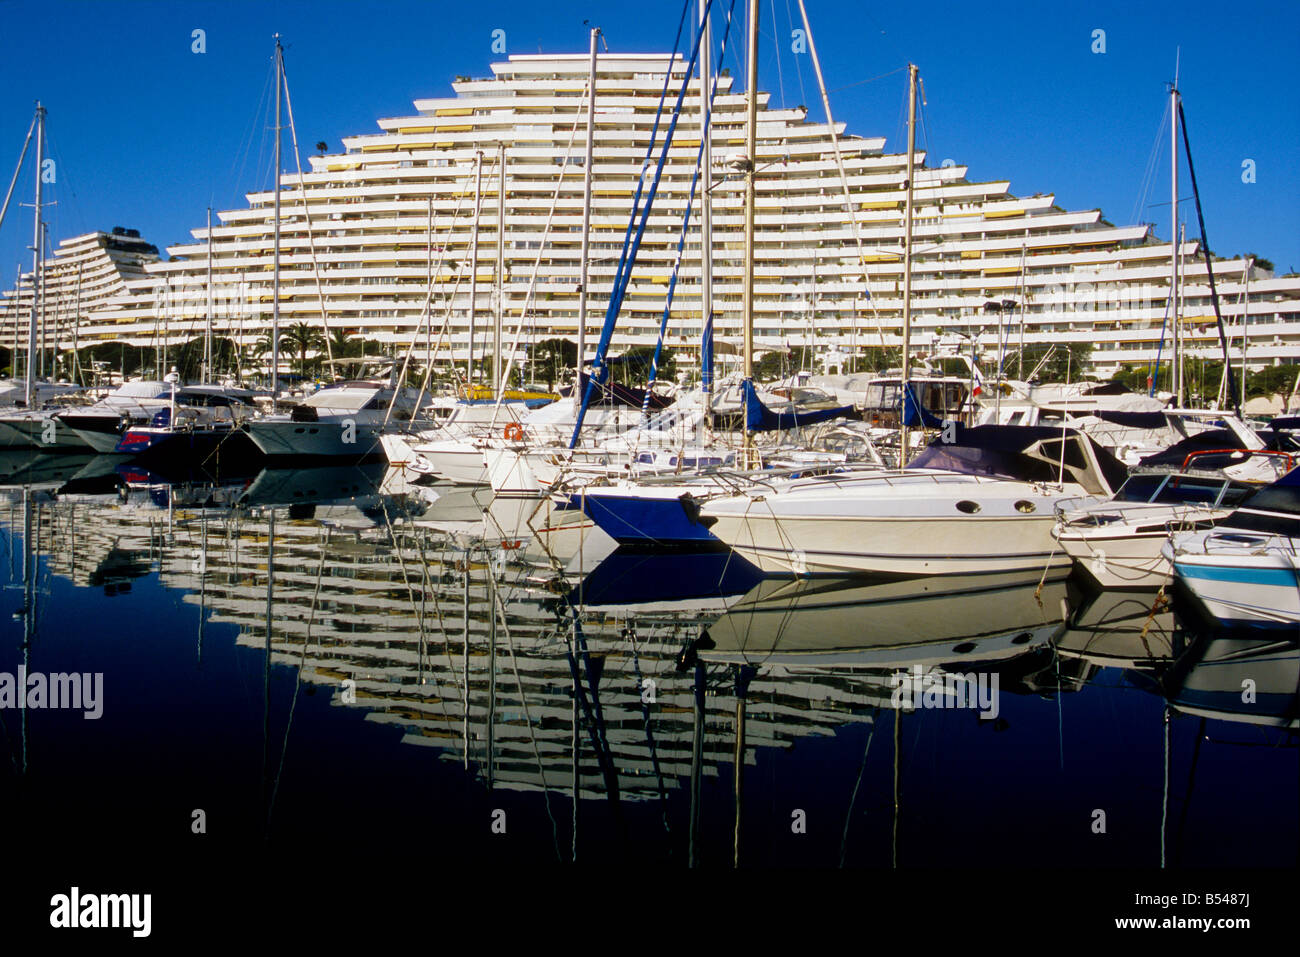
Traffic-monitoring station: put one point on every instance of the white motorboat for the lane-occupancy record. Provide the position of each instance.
(1118, 543)
(343, 420)
(1246, 570)
(983, 503)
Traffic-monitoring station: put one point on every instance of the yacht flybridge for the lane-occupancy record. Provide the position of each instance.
(983, 503)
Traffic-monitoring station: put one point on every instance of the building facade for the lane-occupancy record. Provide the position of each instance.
(379, 241)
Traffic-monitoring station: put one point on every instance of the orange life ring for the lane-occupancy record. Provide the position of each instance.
(514, 432)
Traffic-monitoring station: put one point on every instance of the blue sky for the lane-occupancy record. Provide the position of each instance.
(147, 134)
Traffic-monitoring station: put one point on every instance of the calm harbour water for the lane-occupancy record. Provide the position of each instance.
(414, 696)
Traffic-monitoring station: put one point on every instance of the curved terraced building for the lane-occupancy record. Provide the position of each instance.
(378, 235)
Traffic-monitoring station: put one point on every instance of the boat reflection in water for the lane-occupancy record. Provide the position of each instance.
(656, 708)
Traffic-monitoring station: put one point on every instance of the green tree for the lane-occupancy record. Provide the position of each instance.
(553, 358)
(302, 337)
(636, 363)
(874, 359)
(778, 364)
(1272, 380)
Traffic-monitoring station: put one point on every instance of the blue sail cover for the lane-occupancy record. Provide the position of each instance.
(914, 413)
(762, 419)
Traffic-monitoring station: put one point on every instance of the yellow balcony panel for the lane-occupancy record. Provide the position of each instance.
(1003, 213)
(459, 128)
(454, 111)
(883, 204)
(1002, 271)
(971, 254)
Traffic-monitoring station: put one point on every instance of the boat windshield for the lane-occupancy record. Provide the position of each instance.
(1177, 489)
(347, 399)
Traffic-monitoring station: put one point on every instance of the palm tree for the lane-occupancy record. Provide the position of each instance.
(302, 337)
(322, 148)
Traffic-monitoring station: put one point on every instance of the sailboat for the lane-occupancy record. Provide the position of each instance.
(32, 426)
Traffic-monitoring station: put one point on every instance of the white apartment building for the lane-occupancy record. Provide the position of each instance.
(378, 237)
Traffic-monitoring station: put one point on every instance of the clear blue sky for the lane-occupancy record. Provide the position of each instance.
(147, 133)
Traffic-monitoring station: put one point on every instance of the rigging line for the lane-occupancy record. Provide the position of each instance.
(22, 156)
(1209, 266)
(306, 643)
(68, 191)
(426, 311)
(789, 15)
(259, 115)
(444, 334)
(500, 608)
(1148, 173)
(681, 240)
(776, 42)
(578, 117)
(872, 79)
(306, 210)
(839, 164)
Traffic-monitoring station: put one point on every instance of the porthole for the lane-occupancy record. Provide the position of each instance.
(1024, 505)
(967, 506)
(965, 648)
(1021, 638)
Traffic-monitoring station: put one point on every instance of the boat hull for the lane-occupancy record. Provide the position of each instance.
(632, 517)
(324, 439)
(1245, 590)
(43, 432)
(1119, 561)
(901, 545)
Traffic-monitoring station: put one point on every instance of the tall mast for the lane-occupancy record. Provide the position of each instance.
(37, 256)
(498, 374)
(207, 334)
(586, 220)
(907, 259)
(275, 289)
(1245, 327)
(1177, 248)
(751, 150)
(706, 200)
(473, 271)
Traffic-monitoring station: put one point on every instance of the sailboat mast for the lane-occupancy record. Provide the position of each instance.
(1177, 357)
(37, 257)
(586, 221)
(706, 201)
(1245, 326)
(751, 150)
(275, 280)
(907, 259)
(473, 271)
(207, 332)
(497, 372)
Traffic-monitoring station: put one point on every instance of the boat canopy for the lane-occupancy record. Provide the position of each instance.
(611, 393)
(1026, 453)
(759, 418)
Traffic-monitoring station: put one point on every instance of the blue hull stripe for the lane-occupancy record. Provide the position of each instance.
(1275, 577)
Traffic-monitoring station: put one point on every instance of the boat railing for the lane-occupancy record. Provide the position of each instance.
(1249, 453)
